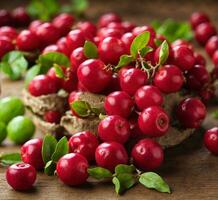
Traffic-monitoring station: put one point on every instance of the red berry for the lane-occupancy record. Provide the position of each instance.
(51, 48)
(212, 45)
(109, 32)
(34, 25)
(169, 78)
(153, 121)
(52, 117)
(110, 50)
(42, 85)
(215, 57)
(72, 169)
(21, 176)
(84, 143)
(20, 16)
(113, 86)
(204, 32)
(140, 29)
(118, 103)
(211, 140)
(136, 133)
(147, 96)
(5, 18)
(107, 18)
(198, 18)
(127, 39)
(116, 25)
(5, 46)
(31, 153)
(191, 112)
(8, 31)
(147, 155)
(132, 79)
(109, 155)
(51, 73)
(128, 26)
(88, 28)
(180, 42)
(74, 96)
(199, 59)
(69, 83)
(63, 47)
(77, 57)
(93, 75)
(114, 129)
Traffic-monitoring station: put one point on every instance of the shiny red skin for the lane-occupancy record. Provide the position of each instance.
(211, 140)
(198, 18)
(51, 73)
(107, 18)
(136, 133)
(114, 129)
(132, 79)
(211, 45)
(63, 23)
(109, 32)
(109, 155)
(88, 28)
(215, 58)
(5, 18)
(21, 176)
(147, 155)
(140, 29)
(116, 25)
(197, 77)
(51, 48)
(52, 117)
(74, 96)
(47, 33)
(127, 39)
(114, 85)
(153, 121)
(118, 103)
(155, 55)
(63, 47)
(5, 46)
(147, 96)
(31, 153)
(34, 25)
(72, 169)
(169, 79)
(69, 84)
(199, 59)
(191, 112)
(21, 17)
(128, 26)
(93, 75)
(183, 57)
(42, 85)
(204, 32)
(110, 49)
(27, 41)
(84, 143)
(8, 31)
(77, 57)
(181, 42)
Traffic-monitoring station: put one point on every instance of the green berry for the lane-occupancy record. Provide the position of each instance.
(20, 129)
(3, 132)
(10, 107)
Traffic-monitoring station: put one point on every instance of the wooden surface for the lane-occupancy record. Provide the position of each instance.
(189, 169)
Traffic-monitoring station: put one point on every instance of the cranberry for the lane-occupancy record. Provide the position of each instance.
(84, 143)
(199, 59)
(212, 45)
(132, 79)
(42, 85)
(72, 169)
(204, 32)
(116, 25)
(5, 46)
(74, 96)
(181, 42)
(5, 18)
(77, 57)
(63, 47)
(51, 73)
(114, 129)
(110, 50)
(147, 155)
(128, 26)
(31, 153)
(198, 18)
(107, 18)
(147, 96)
(207, 94)
(8, 31)
(127, 39)
(215, 57)
(96, 40)
(191, 112)
(34, 25)
(21, 176)
(118, 103)
(134, 128)
(111, 154)
(93, 75)
(52, 117)
(69, 83)
(109, 32)
(20, 16)
(169, 78)
(153, 121)
(211, 140)
(140, 29)
(88, 28)
(153, 56)
(51, 48)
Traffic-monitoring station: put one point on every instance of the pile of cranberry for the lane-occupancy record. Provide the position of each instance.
(134, 95)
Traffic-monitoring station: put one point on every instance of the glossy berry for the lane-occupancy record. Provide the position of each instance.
(215, 57)
(5, 18)
(147, 155)
(132, 79)
(211, 140)
(147, 96)
(42, 85)
(140, 29)
(31, 153)
(34, 25)
(191, 112)
(84, 143)
(69, 84)
(169, 78)
(77, 57)
(6, 45)
(21, 176)
(20, 16)
(114, 129)
(181, 42)
(51, 48)
(88, 28)
(63, 47)
(127, 39)
(116, 25)
(107, 18)
(212, 45)
(8, 31)
(72, 169)
(74, 96)
(128, 26)
(52, 117)
(183, 57)
(93, 75)
(198, 18)
(118, 103)
(204, 32)
(109, 32)
(109, 155)
(58, 81)
(153, 121)
(110, 50)
(199, 59)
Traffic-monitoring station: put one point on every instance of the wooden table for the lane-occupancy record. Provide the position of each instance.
(189, 169)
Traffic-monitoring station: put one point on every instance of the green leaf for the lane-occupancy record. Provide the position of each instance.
(144, 51)
(48, 147)
(82, 108)
(59, 71)
(31, 73)
(124, 61)
(61, 149)
(99, 173)
(90, 49)
(164, 52)
(9, 159)
(139, 43)
(121, 168)
(79, 6)
(154, 181)
(215, 114)
(50, 168)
